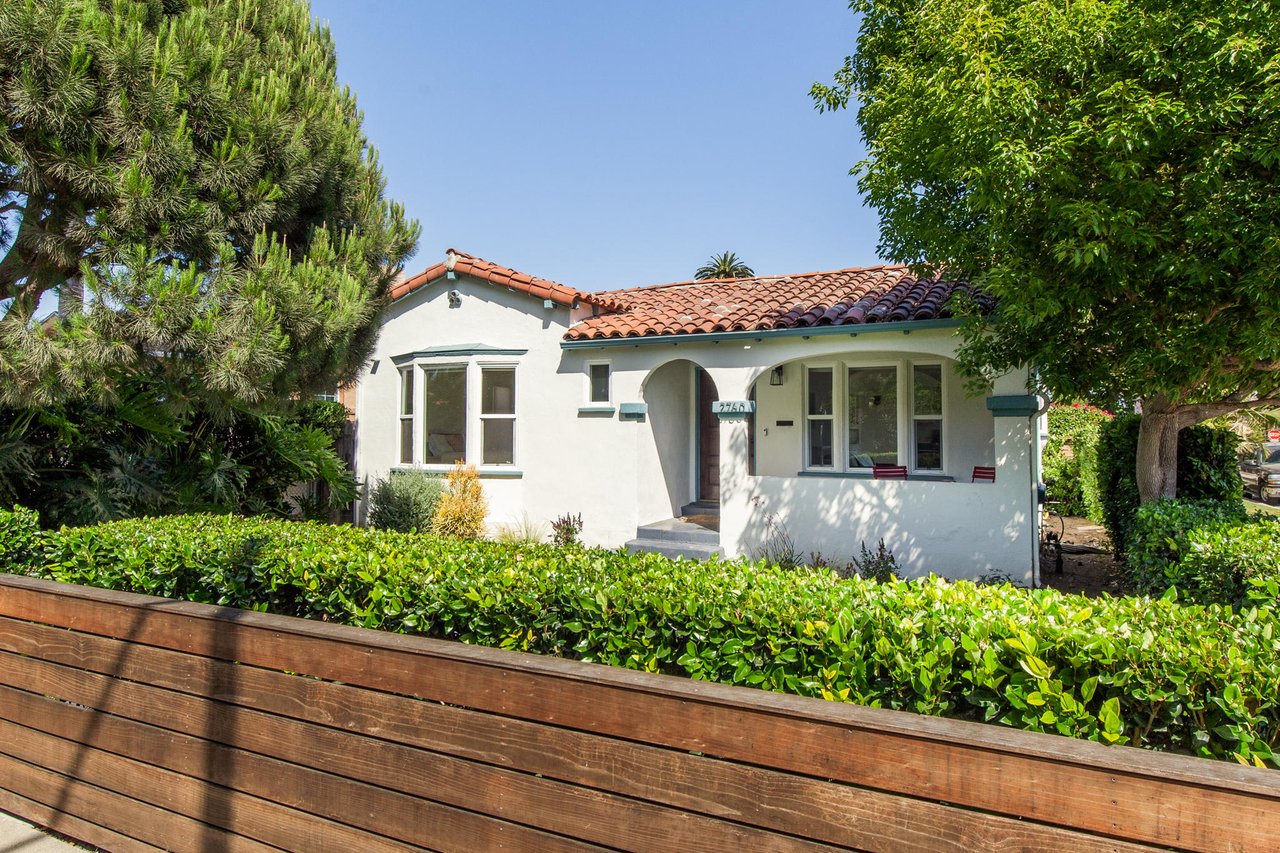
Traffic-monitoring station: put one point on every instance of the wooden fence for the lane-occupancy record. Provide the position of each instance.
(136, 723)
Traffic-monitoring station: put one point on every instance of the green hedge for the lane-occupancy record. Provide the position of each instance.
(1209, 550)
(1149, 672)
(1208, 470)
(1070, 459)
(1159, 540)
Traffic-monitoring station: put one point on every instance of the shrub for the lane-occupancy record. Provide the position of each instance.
(1234, 563)
(1159, 540)
(405, 501)
(1155, 673)
(1207, 470)
(19, 539)
(1070, 459)
(565, 530)
(879, 565)
(462, 507)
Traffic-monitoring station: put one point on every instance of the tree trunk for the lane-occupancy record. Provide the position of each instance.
(1157, 472)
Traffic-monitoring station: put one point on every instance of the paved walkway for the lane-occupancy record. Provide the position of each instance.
(18, 836)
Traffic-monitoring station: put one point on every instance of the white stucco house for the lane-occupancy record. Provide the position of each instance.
(774, 399)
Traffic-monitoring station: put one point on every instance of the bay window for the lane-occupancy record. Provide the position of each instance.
(451, 421)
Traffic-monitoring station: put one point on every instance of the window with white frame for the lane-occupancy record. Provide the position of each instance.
(926, 420)
(872, 395)
(460, 413)
(820, 417)
(858, 416)
(406, 416)
(498, 414)
(598, 382)
(444, 417)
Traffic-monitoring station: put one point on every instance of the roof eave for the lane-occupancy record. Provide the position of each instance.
(849, 330)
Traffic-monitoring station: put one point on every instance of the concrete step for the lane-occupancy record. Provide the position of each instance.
(675, 530)
(667, 548)
(701, 508)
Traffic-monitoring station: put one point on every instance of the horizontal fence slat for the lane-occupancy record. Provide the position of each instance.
(208, 762)
(116, 812)
(71, 826)
(587, 814)
(247, 816)
(1166, 800)
(828, 812)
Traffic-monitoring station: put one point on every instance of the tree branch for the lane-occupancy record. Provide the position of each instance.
(1190, 414)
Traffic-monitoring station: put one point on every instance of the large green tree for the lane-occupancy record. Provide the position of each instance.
(192, 181)
(1108, 169)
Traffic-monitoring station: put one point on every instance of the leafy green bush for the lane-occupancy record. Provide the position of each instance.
(1158, 540)
(463, 506)
(1070, 459)
(1207, 470)
(1155, 673)
(19, 539)
(1235, 563)
(405, 501)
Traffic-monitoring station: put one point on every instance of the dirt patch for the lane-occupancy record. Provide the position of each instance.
(1088, 567)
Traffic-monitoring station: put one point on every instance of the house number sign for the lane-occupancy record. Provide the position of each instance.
(733, 409)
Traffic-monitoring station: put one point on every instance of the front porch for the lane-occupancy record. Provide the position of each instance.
(795, 443)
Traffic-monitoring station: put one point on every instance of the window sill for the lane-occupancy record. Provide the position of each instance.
(921, 477)
(597, 409)
(486, 472)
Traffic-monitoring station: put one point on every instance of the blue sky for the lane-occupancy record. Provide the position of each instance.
(611, 144)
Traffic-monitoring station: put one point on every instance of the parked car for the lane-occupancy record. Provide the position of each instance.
(1260, 470)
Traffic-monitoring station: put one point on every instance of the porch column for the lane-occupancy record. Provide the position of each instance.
(733, 383)
(1017, 469)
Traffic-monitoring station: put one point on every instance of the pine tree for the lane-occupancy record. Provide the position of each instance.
(193, 171)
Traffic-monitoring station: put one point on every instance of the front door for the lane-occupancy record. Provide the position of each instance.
(708, 440)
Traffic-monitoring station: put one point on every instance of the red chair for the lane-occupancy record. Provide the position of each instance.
(983, 473)
(889, 472)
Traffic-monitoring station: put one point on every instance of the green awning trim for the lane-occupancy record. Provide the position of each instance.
(456, 350)
(1014, 405)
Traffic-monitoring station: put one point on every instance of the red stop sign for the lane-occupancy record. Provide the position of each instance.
(1273, 435)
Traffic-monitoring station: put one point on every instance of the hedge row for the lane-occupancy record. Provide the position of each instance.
(1070, 459)
(1207, 470)
(1209, 550)
(1150, 672)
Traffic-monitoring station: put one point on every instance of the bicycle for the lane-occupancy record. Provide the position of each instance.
(1051, 538)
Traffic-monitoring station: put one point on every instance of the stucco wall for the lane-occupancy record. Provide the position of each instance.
(622, 473)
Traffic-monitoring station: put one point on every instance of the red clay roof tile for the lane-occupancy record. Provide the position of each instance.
(840, 297)
(836, 298)
(465, 264)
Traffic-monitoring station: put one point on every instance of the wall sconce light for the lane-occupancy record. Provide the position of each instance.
(775, 377)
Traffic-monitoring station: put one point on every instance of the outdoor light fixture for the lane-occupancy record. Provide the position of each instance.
(775, 378)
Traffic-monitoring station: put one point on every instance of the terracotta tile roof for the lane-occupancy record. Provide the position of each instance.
(465, 264)
(841, 297)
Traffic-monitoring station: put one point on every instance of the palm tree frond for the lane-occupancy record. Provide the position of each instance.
(723, 265)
